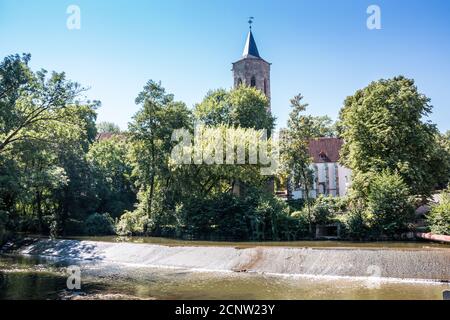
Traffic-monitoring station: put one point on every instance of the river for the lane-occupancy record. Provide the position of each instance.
(44, 275)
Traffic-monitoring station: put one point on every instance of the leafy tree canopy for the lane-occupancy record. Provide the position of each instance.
(384, 129)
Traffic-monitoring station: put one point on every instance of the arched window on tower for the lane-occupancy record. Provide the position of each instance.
(265, 86)
(253, 82)
(239, 82)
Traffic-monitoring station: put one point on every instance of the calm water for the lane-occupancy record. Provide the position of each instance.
(297, 244)
(37, 278)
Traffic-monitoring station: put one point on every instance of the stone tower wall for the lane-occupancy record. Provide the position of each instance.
(245, 69)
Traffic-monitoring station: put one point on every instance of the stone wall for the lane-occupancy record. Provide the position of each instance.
(248, 68)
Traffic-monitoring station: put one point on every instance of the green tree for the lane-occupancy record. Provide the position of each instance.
(295, 156)
(45, 133)
(243, 107)
(439, 216)
(441, 159)
(151, 132)
(112, 170)
(389, 203)
(108, 127)
(32, 100)
(384, 129)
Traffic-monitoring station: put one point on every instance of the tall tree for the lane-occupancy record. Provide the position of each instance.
(243, 107)
(151, 131)
(112, 171)
(30, 100)
(295, 156)
(384, 129)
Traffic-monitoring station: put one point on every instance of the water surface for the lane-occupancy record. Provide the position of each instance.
(293, 244)
(37, 278)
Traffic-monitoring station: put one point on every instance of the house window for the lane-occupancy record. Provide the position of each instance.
(253, 82)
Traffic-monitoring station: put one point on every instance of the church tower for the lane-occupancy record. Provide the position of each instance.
(251, 69)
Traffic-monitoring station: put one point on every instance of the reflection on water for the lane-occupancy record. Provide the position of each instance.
(31, 278)
(300, 244)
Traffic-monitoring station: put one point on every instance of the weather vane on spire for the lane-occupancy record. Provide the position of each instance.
(250, 22)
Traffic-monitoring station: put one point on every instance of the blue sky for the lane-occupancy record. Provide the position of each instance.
(319, 48)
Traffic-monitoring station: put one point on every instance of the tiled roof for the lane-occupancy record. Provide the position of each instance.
(325, 149)
(105, 136)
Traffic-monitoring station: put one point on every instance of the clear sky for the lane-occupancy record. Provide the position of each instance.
(319, 48)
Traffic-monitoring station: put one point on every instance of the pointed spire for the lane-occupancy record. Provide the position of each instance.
(250, 50)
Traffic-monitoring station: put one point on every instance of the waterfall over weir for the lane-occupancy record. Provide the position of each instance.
(423, 264)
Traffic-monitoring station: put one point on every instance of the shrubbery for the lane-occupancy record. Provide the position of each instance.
(255, 217)
(131, 223)
(322, 211)
(99, 225)
(389, 204)
(226, 217)
(354, 224)
(439, 216)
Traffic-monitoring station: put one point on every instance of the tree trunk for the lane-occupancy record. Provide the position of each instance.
(39, 211)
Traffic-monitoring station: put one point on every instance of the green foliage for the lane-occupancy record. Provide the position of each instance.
(132, 223)
(99, 225)
(389, 204)
(441, 157)
(354, 224)
(166, 188)
(295, 158)
(54, 172)
(384, 129)
(108, 127)
(4, 221)
(243, 107)
(439, 216)
(326, 209)
(257, 217)
(321, 211)
(150, 133)
(111, 172)
(215, 108)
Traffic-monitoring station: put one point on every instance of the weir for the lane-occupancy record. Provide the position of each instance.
(415, 264)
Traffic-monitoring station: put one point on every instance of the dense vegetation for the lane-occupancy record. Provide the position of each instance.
(439, 217)
(63, 174)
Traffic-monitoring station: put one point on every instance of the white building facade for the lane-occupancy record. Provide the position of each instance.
(330, 177)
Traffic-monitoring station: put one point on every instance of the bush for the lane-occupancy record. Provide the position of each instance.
(439, 216)
(324, 210)
(302, 219)
(132, 223)
(354, 224)
(389, 204)
(99, 225)
(296, 205)
(257, 217)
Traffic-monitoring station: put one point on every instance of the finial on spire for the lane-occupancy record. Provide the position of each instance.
(250, 22)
